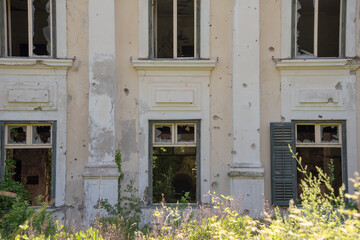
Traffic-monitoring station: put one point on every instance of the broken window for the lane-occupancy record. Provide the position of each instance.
(174, 162)
(30, 146)
(27, 28)
(175, 28)
(321, 147)
(319, 28)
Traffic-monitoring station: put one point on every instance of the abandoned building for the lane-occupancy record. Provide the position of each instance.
(198, 96)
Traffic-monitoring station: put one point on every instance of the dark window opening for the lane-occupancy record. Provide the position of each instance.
(28, 29)
(318, 28)
(33, 171)
(324, 158)
(175, 28)
(174, 174)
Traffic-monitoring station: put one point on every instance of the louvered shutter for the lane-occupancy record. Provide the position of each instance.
(283, 165)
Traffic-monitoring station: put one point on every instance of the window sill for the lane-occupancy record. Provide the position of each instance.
(39, 62)
(319, 63)
(173, 64)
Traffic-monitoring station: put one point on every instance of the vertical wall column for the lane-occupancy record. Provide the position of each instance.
(246, 173)
(101, 173)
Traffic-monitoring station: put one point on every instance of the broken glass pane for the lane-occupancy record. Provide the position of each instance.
(185, 28)
(41, 135)
(16, 135)
(305, 28)
(186, 133)
(18, 40)
(41, 27)
(329, 28)
(330, 134)
(162, 133)
(305, 134)
(164, 28)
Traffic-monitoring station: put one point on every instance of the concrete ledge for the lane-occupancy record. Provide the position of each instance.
(39, 62)
(317, 63)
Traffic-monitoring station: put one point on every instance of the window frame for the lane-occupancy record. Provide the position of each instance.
(279, 148)
(152, 32)
(4, 29)
(342, 33)
(197, 124)
(3, 145)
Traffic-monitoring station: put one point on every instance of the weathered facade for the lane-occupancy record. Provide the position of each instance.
(198, 96)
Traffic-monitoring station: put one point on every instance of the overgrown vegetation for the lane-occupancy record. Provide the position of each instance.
(322, 215)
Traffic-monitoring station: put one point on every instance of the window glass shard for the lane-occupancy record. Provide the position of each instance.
(305, 28)
(164, 28)
(16, 135)
(163, 134)
(329, 28)
(41, 27)
(41, 135)
(186, 133)
(305, 134)
(329, 134)
(185, 28)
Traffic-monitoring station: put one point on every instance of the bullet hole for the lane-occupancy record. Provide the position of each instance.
(253, 146)
(320, 116)
(216, 117)
(244, 85)
(126, 91)
(338, 86)
(271, 49)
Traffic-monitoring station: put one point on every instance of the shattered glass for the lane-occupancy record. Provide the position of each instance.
(305, 28)
(330, 134)
(16, 135)
(163, 133)
(186, 133)
(41, 135)
(305, 134)
(41, 28)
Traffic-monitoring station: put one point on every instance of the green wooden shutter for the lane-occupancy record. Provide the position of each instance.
(283, 165)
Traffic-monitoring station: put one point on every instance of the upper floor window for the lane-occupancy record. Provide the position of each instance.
(27, 28)
(174, 29)
(319, 28)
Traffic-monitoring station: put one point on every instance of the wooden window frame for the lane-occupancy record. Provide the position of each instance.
(4, 146)
(152, 124)
(5, 25)
(153, 30)
(342, 29)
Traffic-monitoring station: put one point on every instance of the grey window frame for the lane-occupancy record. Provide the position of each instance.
(3, 35)
(294, 32)
(286, 157)
(53, 146)
(152, 43)
(197, 122)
